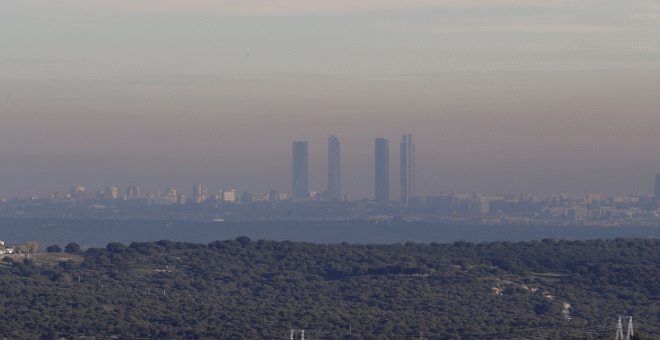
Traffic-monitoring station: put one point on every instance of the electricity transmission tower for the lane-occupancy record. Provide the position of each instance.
(301, 331)
(619, 330)
(629, 333)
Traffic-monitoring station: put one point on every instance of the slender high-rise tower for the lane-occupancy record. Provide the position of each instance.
(300, 176)
(334, 173)
(382, 170)
(199, 193)
(407, 169)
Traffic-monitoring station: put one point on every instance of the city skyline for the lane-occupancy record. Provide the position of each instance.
(535, 96)
(318, 189)
(300, 178)
(482, 140)
(318, 183)
(448, 207)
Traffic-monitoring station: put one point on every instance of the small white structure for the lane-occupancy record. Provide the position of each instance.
(4, 250)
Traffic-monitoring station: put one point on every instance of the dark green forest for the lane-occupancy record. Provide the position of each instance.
(245, 289)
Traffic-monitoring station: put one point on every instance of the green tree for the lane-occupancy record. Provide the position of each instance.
(72, 248)
(54, 249)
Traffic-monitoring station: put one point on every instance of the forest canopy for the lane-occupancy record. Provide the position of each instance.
(242, 288)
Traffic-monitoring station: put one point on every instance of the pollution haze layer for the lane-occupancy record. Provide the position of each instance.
(541, 133)
(501, 96)
(86, 231)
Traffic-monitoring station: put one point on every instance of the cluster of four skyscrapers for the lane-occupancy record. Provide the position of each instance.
(300, 176)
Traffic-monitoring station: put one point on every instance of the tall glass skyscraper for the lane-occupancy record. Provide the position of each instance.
(407, 169)
(382, 172)
(334, 172)
(300, 165)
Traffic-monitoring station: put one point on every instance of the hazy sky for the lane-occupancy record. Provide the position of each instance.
(501, 96)
(118, 38)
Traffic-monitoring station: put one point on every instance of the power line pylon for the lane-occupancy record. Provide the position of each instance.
(302, 333)
(629, 333)
(619, 331)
